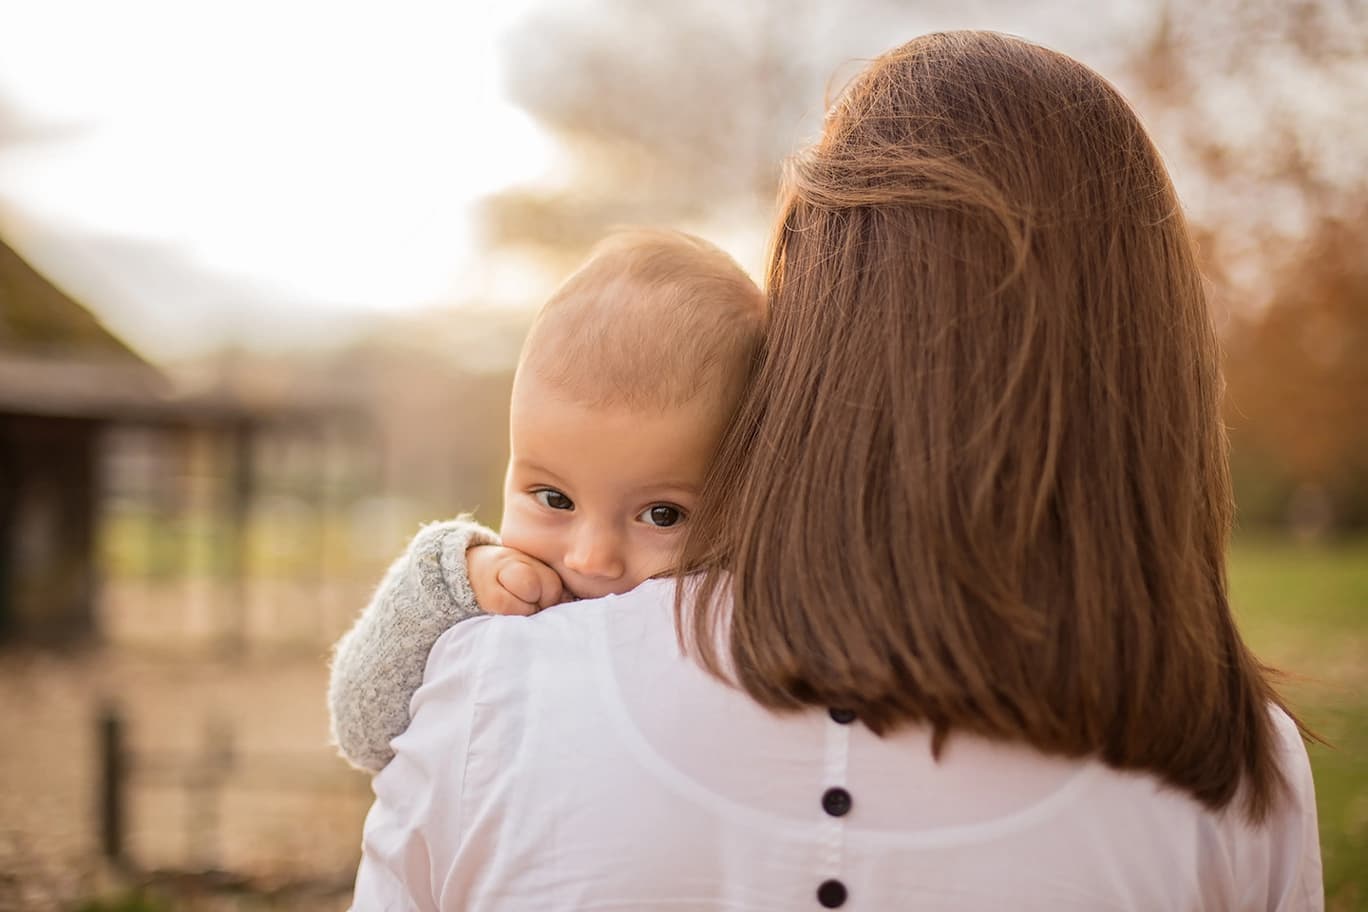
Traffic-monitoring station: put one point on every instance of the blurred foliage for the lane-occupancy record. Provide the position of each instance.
(1297, 400)
(1302, 609)
(673, 113)
(1265, 105)
(299, 543)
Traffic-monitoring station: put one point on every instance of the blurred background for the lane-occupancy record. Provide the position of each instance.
(264, 271)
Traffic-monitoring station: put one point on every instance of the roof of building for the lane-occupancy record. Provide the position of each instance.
(58, 360)
(37, 317)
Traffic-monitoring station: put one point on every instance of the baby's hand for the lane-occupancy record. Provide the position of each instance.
(507, 581)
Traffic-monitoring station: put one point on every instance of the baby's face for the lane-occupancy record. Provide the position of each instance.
(603, 495)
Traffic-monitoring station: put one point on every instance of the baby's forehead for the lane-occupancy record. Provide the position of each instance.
(646, 365)
(545, 396)
(653, 318)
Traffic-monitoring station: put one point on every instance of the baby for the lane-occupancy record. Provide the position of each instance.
(627, 380)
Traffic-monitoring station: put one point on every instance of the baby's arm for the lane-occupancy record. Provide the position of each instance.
(378, 664)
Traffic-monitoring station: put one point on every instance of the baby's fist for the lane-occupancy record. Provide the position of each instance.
(507, 581)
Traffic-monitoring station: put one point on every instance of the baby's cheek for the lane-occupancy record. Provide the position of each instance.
(660, 554)
(523, 533)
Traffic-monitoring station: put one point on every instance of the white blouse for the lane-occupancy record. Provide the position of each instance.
(575, 760)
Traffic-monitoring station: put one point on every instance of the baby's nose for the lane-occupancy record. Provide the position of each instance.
(595, 553)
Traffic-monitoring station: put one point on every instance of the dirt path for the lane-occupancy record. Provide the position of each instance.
(287, 808)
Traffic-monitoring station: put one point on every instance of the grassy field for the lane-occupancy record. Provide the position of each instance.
(1304, 609)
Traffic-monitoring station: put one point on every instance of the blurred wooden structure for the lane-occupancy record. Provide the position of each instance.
(67, 383)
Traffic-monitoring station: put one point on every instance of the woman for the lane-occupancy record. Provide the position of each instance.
(959, 637)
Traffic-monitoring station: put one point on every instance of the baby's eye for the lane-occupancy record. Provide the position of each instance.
(550, 497)
(662, 515)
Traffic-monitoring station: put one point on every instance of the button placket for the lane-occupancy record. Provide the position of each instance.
(836, 803)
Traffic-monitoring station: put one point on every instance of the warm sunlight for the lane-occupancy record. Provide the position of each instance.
(1024, 273)
(326, 150)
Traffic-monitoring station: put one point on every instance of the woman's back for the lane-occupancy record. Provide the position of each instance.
(576, 760)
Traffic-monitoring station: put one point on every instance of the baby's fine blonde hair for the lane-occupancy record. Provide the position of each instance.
(652, 319)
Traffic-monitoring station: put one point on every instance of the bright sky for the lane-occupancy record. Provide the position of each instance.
(328, 150)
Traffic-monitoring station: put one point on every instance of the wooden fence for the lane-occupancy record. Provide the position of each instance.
(203, 776)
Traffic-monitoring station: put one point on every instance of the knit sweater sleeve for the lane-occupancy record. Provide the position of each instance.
(378, 664)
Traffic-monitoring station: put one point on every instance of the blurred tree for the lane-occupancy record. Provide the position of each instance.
(672, 112)
(1263, 106)
(1297, 400)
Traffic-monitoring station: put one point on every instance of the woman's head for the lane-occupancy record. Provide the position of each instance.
(980, 480)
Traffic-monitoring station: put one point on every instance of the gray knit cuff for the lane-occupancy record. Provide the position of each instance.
(438, 553)
(378, 665)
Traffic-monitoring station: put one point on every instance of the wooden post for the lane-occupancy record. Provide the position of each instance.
(240, 489)
(112, 780)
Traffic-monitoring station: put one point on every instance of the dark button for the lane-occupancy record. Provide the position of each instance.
(844, 716)
(831, 894)
(836, 801)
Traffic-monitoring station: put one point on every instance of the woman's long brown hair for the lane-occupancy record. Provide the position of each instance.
(980, 479)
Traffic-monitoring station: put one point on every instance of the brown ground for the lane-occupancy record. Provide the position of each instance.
(287, 811)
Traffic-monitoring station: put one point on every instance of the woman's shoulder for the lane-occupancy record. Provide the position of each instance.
(1294, 825)
(564, 633)
(1290, 744)
(1281, 852)
(1295, 810)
